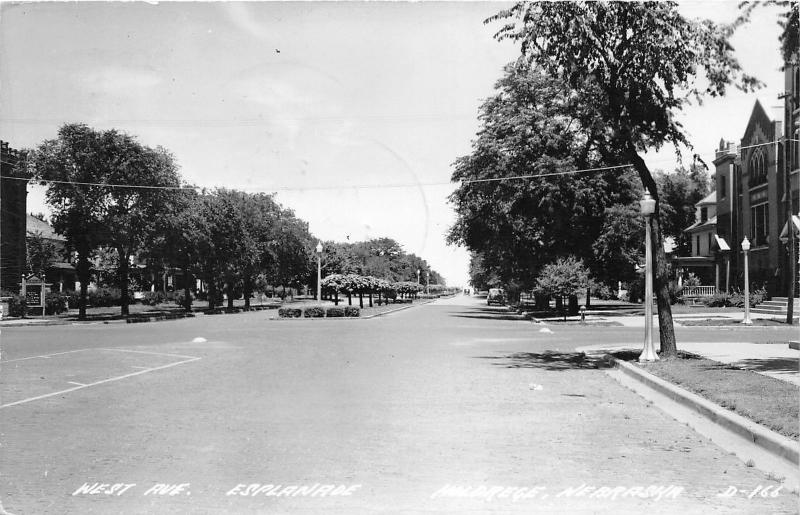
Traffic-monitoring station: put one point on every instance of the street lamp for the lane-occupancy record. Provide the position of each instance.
(319, 271)
(427, 281)
(418, 271)
(746, 250)
(648, 207)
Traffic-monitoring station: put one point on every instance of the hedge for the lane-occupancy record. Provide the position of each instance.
(335, 312)
(352, 311)
(314, 312)
(290, 312)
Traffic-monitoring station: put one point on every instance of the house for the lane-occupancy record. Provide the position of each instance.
(60, 273)
(708, 259)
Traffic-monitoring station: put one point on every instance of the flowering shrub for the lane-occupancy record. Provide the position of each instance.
(314, 312)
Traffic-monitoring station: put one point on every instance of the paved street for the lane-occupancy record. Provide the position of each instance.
(426, 409)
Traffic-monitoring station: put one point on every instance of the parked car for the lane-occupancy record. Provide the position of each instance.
(496, 296)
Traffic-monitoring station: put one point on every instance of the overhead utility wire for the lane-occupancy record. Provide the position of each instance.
(357, 186)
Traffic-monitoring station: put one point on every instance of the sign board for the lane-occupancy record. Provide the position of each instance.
(33, 295)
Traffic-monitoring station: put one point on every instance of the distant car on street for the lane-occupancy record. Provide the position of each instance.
(496, 296)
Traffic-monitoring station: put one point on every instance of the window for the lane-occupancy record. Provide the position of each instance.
(703, 214)
(758, 169)
(723, 188)
(759, 225)
(709, 243)
(697, 245)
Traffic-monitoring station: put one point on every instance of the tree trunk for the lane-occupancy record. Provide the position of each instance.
(212, 290)
(349, 299)
(247, 290)
(588, 298)
(187, 294)
(559, 303)
(336, 298)
(370, 299)
(123, 282)
(229, 291)
(573, 304)
(660, 269)
(361, 300)
(83, 277)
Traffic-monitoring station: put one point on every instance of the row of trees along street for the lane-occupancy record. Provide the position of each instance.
(596, 85)
(109, 194)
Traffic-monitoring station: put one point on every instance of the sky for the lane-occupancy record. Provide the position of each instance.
(353, 113)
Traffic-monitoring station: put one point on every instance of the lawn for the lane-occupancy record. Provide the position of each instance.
(768, 401)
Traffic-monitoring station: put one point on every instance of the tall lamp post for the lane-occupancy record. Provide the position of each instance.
(746, 250)
(427, 280)
(418, 271)
(648, 207)
(319, 271)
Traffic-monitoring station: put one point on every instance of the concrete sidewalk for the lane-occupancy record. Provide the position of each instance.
(638, 320)
(773, 360)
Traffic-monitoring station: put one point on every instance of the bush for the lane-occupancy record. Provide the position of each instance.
(675, 295)
(73, 299)
(178, 298)
(152, 298)
(756, 297)
(718, 300)
(314, 312)
(290, 312)
(104, 297)
(335, 312)
(352, 311)
(56, 303)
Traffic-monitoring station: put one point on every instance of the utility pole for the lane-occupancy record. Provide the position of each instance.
(787, 202)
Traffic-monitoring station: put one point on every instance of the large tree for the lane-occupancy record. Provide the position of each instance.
(532, 136)
(75, 163)
(131, 214)
(636, 64)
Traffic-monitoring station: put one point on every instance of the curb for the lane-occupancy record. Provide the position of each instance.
(776, 444)
(794, 345)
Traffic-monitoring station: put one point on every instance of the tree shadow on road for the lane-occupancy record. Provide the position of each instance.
(488, 313)
(770, 364)
(548, 360)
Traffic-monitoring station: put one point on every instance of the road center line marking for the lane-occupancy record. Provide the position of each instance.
(109, 380)
(154, 353)
(45, 356)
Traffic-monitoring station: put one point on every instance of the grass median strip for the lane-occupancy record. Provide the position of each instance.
(764, 400)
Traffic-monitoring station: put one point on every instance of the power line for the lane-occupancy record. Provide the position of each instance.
(331, 187)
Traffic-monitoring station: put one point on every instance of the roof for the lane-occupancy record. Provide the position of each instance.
(711, 223)
(33, 225)
(711, 198)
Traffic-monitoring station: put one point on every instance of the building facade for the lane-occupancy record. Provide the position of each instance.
(13, 198)
(757, 184)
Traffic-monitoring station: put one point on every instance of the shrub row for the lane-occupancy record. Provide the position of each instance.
(319, 312)
(736, 299)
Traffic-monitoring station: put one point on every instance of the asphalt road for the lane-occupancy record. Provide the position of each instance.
(450, 406)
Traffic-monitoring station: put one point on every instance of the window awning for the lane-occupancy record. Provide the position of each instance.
(721, 243)
(796, 226)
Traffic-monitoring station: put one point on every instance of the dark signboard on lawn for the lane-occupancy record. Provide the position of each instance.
(33, 294)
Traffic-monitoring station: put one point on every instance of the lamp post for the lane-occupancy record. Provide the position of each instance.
(418, 271)
(427, 281)
(746, 250)
(648, 207)
(319, 271)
